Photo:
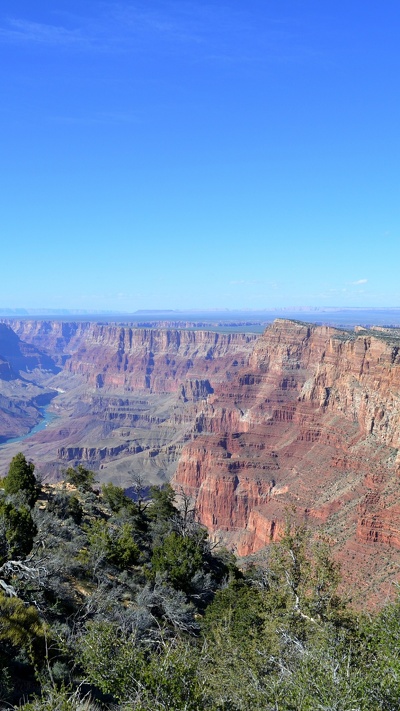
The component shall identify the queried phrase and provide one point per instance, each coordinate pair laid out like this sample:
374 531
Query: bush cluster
112 603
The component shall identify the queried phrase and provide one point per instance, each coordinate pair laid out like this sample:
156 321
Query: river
47 418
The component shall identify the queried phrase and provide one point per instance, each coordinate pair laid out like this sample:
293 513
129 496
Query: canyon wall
23 355
311 426
132 359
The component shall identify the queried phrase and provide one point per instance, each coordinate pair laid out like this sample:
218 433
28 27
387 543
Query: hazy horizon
201 311
234 320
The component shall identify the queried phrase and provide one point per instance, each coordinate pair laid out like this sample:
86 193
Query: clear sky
201 154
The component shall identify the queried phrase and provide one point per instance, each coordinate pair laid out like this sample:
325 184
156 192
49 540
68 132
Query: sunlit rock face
312 425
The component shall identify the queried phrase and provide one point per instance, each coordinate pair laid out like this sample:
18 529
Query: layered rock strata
127 395
135 359
311 424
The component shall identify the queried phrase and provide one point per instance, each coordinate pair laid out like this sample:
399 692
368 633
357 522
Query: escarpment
311 425
158 361
133 359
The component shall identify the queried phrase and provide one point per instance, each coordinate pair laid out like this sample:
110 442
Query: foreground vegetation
109 602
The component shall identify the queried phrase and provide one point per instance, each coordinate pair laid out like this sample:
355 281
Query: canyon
123 396
301 421
23 370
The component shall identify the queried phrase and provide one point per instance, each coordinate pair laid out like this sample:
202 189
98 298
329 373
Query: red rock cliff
312 422
135 359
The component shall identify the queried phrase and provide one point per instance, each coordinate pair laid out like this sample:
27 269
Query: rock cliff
132 359
22 356
313 424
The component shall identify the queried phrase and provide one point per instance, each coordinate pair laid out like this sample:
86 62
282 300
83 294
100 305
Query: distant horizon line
4 312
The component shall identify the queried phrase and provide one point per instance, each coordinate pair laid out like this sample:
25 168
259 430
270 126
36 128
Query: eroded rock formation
313 424
135 359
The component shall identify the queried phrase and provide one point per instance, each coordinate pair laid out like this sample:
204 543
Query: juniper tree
80 477
21 478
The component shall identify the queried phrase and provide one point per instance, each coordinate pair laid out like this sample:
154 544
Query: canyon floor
302 419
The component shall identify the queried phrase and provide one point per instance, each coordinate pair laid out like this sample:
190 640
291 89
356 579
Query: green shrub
17 531
66 506
179 557
21 478
80 477
115 497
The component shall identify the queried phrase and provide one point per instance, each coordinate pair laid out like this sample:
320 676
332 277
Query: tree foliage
66 505
107 600
19 624
180 558
17 531
80 477
115 497
21 479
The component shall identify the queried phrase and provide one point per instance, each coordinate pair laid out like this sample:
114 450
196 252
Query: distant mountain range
9 313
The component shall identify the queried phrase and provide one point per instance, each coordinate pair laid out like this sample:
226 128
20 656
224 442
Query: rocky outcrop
56 338
6 371
195 390
93 454
157 361
313 424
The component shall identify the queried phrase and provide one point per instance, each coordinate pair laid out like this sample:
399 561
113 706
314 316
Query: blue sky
199 154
